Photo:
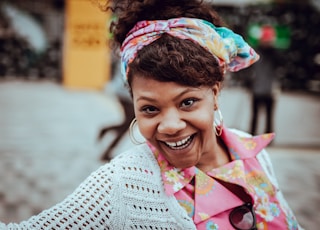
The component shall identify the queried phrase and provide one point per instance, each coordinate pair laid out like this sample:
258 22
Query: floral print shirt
209 203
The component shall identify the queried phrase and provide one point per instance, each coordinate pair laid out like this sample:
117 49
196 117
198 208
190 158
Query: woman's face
176 119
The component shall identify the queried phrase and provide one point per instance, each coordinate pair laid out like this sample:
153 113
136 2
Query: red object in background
268 34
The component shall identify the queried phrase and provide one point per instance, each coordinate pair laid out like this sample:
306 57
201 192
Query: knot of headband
228 47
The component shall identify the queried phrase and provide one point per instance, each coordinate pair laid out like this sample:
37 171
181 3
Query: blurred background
63 112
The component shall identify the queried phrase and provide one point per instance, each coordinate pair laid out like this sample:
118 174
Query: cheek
205 119
147 128
206 123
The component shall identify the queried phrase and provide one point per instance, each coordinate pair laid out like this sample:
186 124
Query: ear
216 91
216 88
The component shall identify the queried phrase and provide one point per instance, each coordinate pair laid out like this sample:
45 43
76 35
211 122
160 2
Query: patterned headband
229 48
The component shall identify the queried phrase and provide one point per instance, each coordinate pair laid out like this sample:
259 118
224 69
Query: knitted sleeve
93 205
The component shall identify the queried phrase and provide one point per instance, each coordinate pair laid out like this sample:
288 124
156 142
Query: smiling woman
192 172
176 123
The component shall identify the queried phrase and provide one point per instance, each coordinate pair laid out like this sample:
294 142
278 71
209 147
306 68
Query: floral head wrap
229 48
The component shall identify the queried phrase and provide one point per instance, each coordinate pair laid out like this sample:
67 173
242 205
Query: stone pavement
48 145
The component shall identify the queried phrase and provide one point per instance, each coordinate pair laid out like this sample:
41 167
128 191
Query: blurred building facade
18 59
298 68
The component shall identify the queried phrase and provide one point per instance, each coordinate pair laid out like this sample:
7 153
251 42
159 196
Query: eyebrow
175 98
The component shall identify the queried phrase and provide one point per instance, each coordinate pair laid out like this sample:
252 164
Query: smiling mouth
180 144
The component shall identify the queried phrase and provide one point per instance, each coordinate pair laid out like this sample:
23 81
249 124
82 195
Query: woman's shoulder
138 157
263 156
129 167
141 152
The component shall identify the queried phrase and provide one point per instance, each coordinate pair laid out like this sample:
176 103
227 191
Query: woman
192 172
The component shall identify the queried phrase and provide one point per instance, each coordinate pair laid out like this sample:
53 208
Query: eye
188 102
149 109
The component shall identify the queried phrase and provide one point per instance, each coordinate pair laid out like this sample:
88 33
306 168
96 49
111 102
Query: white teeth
179 143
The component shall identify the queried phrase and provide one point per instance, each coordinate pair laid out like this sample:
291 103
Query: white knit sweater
126 193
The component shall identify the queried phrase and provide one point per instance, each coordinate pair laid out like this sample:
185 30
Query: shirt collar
243 147
239 147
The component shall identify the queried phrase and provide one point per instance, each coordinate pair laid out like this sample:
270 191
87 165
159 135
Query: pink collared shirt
209 203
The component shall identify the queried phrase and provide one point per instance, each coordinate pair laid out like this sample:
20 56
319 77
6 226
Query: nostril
171 127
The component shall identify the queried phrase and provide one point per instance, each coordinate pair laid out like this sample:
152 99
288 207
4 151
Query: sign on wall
86 53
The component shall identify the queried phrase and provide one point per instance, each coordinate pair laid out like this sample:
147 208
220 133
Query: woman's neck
221 157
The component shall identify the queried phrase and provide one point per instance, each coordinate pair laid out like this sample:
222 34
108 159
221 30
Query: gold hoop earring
218 123
131 132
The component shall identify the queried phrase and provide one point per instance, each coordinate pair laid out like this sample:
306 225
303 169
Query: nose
171 122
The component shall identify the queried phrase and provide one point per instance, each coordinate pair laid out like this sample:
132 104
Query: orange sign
87 57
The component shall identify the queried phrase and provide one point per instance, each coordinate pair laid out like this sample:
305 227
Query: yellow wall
87 58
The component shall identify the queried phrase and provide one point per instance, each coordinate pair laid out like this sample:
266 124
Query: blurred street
48 144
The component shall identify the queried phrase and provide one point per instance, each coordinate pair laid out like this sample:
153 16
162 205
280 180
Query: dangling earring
218 123
131 132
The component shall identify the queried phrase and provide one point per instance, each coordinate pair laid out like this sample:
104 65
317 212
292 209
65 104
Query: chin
184 164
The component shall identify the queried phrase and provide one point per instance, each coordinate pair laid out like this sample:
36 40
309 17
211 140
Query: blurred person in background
190 171
117 87
264 83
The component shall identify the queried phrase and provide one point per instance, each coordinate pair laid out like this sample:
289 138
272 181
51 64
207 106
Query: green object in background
278 36
283 37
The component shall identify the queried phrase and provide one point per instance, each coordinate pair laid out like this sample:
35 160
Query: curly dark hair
168 58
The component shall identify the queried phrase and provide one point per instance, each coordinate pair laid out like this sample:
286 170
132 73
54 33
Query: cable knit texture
126 193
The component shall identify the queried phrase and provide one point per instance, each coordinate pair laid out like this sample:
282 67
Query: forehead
147 88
